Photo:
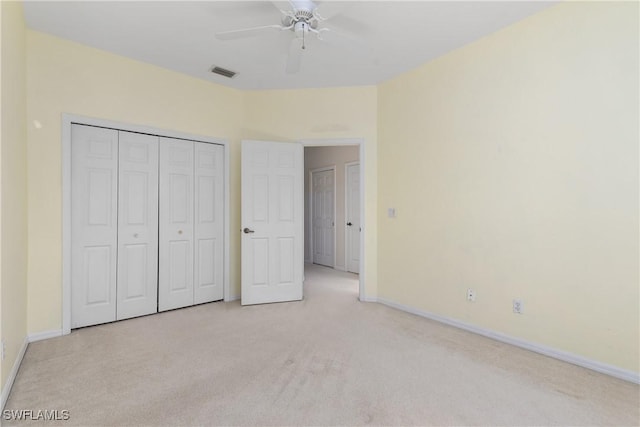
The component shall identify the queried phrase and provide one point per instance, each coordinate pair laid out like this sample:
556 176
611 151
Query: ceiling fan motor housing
298 18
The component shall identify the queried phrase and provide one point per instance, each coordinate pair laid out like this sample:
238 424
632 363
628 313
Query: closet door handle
248 230
179 231
349 224
135 235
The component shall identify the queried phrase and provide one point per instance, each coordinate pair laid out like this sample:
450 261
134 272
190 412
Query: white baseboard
6 389
233 298
372 299
603 368
39 336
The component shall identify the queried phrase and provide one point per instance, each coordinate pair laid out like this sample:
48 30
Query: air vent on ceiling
223 72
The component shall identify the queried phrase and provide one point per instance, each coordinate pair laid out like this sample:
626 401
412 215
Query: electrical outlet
517 306
471 295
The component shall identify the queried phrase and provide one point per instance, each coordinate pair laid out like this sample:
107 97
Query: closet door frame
70 119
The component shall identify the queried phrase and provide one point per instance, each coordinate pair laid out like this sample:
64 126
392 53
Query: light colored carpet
328 360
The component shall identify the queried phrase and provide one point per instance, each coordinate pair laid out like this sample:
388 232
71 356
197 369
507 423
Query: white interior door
94 187
175 273
272 222
323 216
137 285
353 217
209 227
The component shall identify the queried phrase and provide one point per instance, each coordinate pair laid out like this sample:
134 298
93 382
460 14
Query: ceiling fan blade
302 4
342 40
347 24
295 56
329 9
280 4
248 32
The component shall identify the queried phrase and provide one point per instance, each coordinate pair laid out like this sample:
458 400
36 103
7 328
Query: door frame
346 208
70 119
360 142
311 172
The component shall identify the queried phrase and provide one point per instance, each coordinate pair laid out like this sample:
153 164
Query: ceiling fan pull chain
303 31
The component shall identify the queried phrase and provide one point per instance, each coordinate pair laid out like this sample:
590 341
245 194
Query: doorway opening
334 208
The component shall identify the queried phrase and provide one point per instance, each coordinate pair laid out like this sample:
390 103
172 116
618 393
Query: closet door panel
176 224
208 223
94 186
137 225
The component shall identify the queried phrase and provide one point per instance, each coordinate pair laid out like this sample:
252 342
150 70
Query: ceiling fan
302 19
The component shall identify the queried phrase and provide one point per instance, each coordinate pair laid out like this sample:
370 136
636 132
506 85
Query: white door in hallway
272 222
94 224
175 273
137 284
323 216
353 217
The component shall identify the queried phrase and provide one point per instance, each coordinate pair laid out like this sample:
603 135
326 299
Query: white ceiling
372 41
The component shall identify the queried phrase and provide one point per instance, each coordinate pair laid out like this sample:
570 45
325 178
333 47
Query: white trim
6 389
537 348
346 209
362 159
67 120
66 223
311 172
227 224
45 335
233 298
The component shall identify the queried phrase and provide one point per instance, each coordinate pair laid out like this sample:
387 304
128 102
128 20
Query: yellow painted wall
513 165
65 77
13 184
351 112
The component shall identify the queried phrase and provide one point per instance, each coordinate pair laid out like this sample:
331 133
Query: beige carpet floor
328 360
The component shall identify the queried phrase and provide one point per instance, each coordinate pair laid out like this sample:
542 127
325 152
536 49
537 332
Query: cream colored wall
320 157
513 166
65 77
321 114
13 185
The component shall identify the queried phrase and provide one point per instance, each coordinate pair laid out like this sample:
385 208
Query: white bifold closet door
208 223
94 229
190 223
147 226
137 282
114 217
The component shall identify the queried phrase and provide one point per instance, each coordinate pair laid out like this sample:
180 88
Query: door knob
248 230
179 231
135 235
349 224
